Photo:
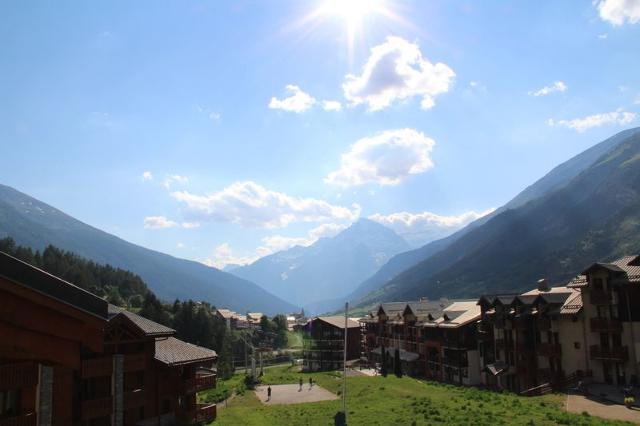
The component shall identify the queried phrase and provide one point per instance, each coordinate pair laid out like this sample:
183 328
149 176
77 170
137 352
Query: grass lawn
406 401
294 340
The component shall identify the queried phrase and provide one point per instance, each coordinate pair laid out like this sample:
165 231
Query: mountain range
36 224
586 209
319 275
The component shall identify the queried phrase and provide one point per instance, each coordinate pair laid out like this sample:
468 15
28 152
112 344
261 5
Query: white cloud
158 222
215 116
170 180
557 86
396 70
180 245
250 204
603 36
619 117
420 228
147 175
637 100
331 105
223 255
617 12
298 102
190 225
385 159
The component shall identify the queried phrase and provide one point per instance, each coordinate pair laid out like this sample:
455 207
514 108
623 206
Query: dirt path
600 408
291 394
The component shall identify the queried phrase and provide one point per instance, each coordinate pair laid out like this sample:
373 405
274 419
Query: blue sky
447 109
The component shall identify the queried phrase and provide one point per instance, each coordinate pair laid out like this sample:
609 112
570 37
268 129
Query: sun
352 11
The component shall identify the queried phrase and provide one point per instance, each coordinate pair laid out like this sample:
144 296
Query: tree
265 324
397 364
383 367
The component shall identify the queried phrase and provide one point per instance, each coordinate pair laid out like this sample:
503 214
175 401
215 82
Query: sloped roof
630 265
29 276
572 305
148 327
226 313
457 314
338 321
392 308
172 351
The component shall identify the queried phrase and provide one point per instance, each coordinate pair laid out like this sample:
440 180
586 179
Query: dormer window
598 284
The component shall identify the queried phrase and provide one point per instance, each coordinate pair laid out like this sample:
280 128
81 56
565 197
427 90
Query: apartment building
611 296
69 358
323 344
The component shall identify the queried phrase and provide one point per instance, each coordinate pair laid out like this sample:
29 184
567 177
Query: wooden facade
323 345
68 358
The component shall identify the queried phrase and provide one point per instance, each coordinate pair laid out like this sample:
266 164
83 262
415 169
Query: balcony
134 399
95 408
499 323
605 325
500 344
200 383
544 324
549 349
15 376
97 367
134 362
618 353
600 297
203 414
28 419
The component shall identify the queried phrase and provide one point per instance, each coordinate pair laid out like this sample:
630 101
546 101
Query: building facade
323 343
69 358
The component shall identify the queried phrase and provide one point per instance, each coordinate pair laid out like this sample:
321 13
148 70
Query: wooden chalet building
323 344
69 358
435 339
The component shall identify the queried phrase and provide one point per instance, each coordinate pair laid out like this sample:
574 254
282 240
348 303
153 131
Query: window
597 284
576 345
9 402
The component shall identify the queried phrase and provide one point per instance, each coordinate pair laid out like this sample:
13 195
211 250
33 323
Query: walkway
291 394
596 406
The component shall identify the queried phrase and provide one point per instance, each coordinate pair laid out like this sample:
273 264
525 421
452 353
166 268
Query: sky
225 131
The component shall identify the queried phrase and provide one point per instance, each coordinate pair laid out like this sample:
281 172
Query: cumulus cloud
557 86
158 222
170 180
619 117
223 256
617 12
252 205
420 228
298 102
147 175
385 159
190 225
396 70
331 105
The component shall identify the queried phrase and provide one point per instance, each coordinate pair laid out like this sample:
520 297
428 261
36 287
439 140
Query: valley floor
406 401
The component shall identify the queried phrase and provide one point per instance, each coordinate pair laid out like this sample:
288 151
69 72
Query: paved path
600 408
291 394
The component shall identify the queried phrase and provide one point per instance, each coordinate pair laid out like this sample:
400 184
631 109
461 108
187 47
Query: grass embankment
392 401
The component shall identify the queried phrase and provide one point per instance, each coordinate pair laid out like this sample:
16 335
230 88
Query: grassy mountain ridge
35 224
594 216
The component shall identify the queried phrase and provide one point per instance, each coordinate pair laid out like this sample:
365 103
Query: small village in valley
319 213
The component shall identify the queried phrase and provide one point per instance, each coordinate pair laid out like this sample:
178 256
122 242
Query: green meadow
392 401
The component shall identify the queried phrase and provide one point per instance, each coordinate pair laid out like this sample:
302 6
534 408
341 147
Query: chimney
543 285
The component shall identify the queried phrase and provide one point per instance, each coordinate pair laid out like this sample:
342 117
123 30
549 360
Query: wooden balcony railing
28 419
200 383
97 367
549 349
616 353
134 362
599 297
134 399
16 376
203 414
605 325
544 324
94 408
500 344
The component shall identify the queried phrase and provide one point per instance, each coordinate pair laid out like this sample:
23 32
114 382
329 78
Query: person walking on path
310 382
299 390
269 393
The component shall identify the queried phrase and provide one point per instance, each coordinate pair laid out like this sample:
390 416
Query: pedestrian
310 382
269 393
299 390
